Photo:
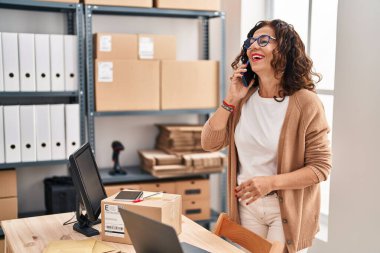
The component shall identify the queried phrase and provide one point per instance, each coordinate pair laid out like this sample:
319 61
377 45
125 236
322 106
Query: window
316 22
295 12
322 51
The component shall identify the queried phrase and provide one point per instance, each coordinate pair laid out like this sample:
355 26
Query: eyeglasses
262 41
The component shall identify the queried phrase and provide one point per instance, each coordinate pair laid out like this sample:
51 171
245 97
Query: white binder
42 45
1 66
27 62
57 69
43 141
12 133
10 62
71 62
2 143
57 125
28 133
72 128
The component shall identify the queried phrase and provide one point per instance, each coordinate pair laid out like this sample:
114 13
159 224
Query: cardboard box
8 183
113 189
165 208
115 46
127 85
155 158
157 47
193 189
196 209
8 208
167 171
128 3
205 160
189 84
168 187
202 5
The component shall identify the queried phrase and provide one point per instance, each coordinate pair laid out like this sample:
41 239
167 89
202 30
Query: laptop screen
150 236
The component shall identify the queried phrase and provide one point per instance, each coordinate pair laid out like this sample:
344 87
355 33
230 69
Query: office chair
229 229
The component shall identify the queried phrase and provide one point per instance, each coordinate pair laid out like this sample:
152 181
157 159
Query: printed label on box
105 43
105 72
146 48
113 223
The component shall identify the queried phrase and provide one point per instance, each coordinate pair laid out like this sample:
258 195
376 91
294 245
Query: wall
354 206
252 11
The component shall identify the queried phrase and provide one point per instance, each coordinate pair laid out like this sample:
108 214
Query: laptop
150 236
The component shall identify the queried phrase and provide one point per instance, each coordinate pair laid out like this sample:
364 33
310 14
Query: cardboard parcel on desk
163 207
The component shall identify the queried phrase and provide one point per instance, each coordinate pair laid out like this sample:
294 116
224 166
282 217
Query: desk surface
33 235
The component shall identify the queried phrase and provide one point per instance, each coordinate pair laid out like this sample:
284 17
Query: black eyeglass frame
247 43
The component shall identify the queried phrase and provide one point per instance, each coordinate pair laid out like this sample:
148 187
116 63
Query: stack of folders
31 133
38 62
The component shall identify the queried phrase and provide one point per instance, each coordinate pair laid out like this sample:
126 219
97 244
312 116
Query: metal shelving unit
203 16
163 112
30 164
74 15
5 94
136 174
38 6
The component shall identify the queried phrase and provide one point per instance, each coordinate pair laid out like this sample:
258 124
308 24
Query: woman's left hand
254 188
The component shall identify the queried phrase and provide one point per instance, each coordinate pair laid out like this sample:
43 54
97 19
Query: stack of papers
80 246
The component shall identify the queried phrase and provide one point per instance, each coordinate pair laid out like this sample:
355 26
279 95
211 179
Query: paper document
79 246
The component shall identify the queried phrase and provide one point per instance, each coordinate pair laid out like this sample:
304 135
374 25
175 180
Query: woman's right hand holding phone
237 90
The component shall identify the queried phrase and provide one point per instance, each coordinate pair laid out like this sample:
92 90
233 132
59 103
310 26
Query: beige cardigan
303 143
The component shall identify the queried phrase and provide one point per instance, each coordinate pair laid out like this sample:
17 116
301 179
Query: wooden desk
33 235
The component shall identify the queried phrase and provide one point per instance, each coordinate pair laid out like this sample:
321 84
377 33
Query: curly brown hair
290 62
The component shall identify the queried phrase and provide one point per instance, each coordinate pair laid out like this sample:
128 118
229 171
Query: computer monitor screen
87 180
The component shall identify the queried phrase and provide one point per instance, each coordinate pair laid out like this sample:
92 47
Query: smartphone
248 76
129 195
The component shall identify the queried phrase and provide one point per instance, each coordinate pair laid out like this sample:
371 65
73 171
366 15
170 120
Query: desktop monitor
89 188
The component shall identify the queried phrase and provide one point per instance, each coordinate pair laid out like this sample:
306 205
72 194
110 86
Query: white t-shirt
257 135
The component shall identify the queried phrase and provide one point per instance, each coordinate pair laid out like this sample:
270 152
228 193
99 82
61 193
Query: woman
276 131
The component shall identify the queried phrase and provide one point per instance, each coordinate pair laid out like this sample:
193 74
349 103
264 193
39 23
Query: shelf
136 174
163 112
153 12
39 94
37 6
27 164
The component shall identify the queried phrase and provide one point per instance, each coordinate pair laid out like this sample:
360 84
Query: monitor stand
83 225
